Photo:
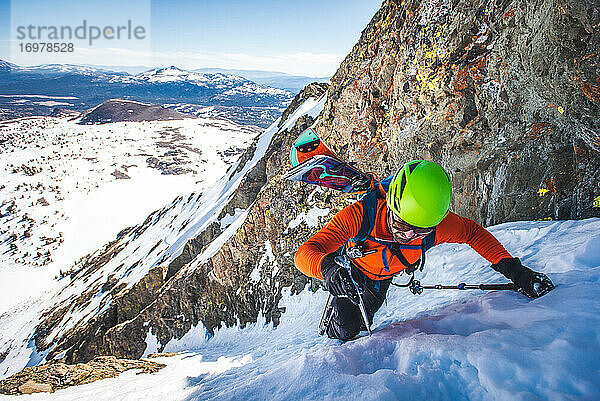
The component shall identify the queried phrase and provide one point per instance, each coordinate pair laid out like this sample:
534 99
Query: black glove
530 283
337 279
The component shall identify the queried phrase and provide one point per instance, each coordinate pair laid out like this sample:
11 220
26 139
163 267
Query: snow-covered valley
67 189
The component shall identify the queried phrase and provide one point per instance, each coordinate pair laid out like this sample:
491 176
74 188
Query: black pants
346 321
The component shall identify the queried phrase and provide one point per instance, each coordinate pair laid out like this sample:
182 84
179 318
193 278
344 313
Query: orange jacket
347 222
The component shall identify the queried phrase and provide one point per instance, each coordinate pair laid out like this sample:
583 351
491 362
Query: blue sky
307 37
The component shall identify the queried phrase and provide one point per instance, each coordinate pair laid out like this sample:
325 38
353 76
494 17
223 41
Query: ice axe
344 260
416 288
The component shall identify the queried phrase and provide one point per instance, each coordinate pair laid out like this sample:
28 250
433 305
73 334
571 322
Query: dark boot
346 320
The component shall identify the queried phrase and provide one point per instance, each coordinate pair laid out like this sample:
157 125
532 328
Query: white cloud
300 63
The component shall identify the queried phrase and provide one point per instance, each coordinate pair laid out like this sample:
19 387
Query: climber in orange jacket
413 217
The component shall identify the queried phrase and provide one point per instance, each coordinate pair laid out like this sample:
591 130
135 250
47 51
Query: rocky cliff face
505 94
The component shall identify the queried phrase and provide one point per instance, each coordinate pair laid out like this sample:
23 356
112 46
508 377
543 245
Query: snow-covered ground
441 345
67 189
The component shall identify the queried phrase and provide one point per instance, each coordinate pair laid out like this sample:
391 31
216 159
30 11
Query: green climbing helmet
420 193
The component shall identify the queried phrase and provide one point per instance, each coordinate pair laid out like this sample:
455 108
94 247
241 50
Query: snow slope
442 345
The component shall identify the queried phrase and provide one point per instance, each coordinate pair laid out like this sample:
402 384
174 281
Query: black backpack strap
369 202
429 241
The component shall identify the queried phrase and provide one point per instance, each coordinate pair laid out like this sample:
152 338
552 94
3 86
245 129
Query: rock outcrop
116 110
55 376
505 94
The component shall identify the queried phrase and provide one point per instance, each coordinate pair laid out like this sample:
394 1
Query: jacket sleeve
344 225
457 229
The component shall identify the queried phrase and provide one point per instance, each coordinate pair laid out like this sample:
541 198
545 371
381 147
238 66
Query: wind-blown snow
441 345
311 218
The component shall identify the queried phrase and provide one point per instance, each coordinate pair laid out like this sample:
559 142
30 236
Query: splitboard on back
314 163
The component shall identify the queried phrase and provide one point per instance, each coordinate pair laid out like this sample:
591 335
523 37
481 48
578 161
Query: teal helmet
307 142
420 193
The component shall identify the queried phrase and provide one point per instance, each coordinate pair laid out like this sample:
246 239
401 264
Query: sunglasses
399 225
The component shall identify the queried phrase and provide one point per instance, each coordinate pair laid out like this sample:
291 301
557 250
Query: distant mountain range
37 90
292 83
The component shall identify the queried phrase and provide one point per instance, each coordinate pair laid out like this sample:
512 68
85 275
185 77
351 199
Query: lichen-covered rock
85 341
55 376
505 94
30 387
